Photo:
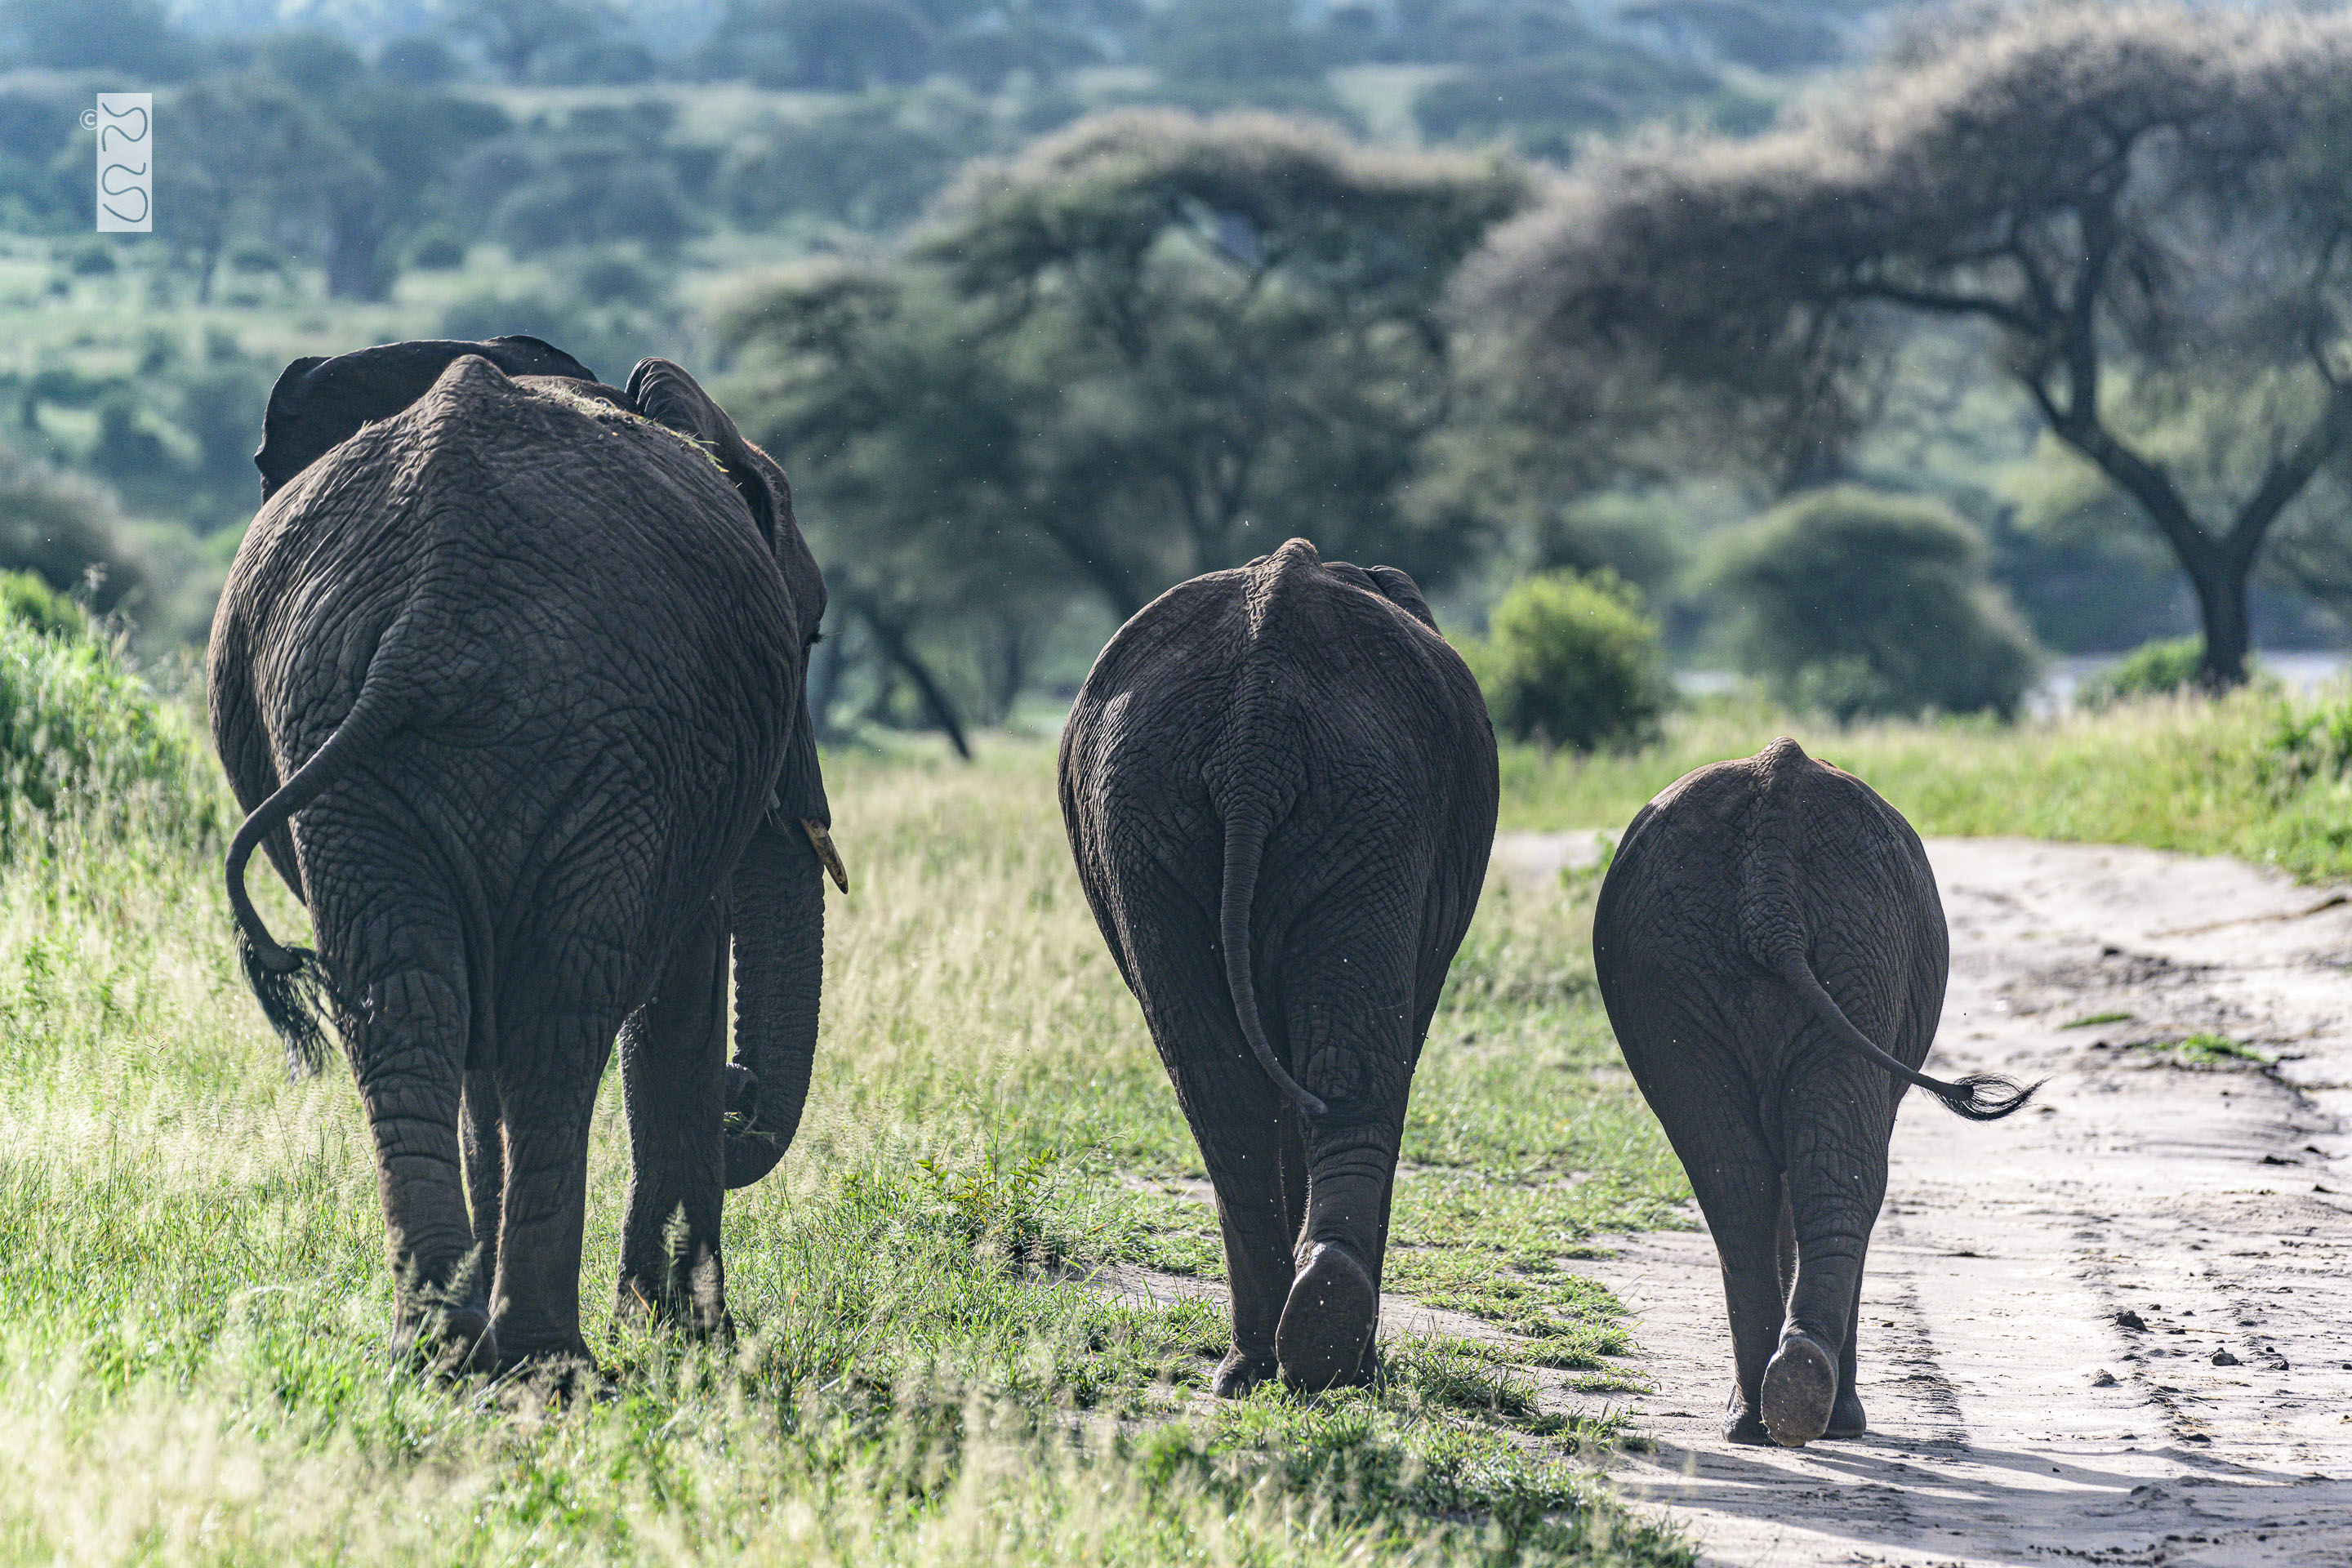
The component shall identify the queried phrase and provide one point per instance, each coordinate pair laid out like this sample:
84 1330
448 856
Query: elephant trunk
779 925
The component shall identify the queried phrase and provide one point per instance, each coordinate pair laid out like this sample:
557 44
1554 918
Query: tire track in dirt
2046 1296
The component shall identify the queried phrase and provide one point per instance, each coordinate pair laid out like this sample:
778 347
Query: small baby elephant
1767 922
1279 784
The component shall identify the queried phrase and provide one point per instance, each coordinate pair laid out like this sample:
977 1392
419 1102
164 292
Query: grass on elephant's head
194 1299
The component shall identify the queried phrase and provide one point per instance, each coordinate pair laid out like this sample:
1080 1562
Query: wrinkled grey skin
1767 925
1279 784
511 680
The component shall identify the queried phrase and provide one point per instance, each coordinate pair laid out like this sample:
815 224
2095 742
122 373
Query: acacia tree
2132 205
1150 346
251 157
1219 332
900 428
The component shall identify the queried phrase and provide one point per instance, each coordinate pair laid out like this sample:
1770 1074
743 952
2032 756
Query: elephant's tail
288 980
1246 832
1980 1095
1773 928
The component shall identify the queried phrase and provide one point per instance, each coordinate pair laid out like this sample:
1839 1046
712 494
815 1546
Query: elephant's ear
319 404
1402 591
664 393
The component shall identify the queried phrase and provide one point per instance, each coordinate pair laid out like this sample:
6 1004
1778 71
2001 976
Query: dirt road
2116 1329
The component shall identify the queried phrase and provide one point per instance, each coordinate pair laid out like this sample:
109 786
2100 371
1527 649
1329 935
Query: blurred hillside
807 202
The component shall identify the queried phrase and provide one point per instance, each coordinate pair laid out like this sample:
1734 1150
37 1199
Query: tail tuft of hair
295 1000
1985 1097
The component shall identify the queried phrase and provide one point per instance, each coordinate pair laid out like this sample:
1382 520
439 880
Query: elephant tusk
823 842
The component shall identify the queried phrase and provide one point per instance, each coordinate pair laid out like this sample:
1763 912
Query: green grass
2258 776
2097 1018
193 1301
2210 1051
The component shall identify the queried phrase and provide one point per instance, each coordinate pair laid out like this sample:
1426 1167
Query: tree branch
2286 479
892 638
1985 306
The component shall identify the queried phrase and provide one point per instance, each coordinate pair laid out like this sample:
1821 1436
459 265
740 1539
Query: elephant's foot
696 1304
556 1374
1846 1419
1326 1324
1800 1385
1742 1424
449 1341
1240 1371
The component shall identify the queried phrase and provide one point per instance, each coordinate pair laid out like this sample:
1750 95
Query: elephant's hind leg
392 935
1834 1198
1238 1117
1847 1418
408 1055
1738 1185
673 1066
550 1061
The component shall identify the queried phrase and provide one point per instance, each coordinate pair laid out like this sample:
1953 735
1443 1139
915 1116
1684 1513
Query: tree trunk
893 644
354 246
2216 566
209 259
1011 666
2220 589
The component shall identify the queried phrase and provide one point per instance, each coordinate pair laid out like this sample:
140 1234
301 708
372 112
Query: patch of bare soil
2115 1329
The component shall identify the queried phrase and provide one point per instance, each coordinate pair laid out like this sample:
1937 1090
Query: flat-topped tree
1150 346
1230 332
2142 208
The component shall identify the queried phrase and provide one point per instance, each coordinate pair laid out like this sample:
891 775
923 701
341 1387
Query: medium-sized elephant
1765 923
1280 787
509 674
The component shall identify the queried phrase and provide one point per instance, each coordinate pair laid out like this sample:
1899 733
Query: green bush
27 601
2150 669
1571 661
1858 604
83 740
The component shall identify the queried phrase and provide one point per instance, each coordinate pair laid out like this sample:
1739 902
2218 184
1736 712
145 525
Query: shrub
1571 661
2148 670
83 740
437 250
27 601
1858 604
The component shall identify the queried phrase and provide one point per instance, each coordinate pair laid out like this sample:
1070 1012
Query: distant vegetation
1050 303
2137 209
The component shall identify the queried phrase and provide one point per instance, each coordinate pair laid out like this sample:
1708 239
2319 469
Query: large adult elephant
508 672
1772 954
1280 787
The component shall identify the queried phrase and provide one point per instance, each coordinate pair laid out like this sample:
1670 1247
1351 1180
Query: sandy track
2014 1418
